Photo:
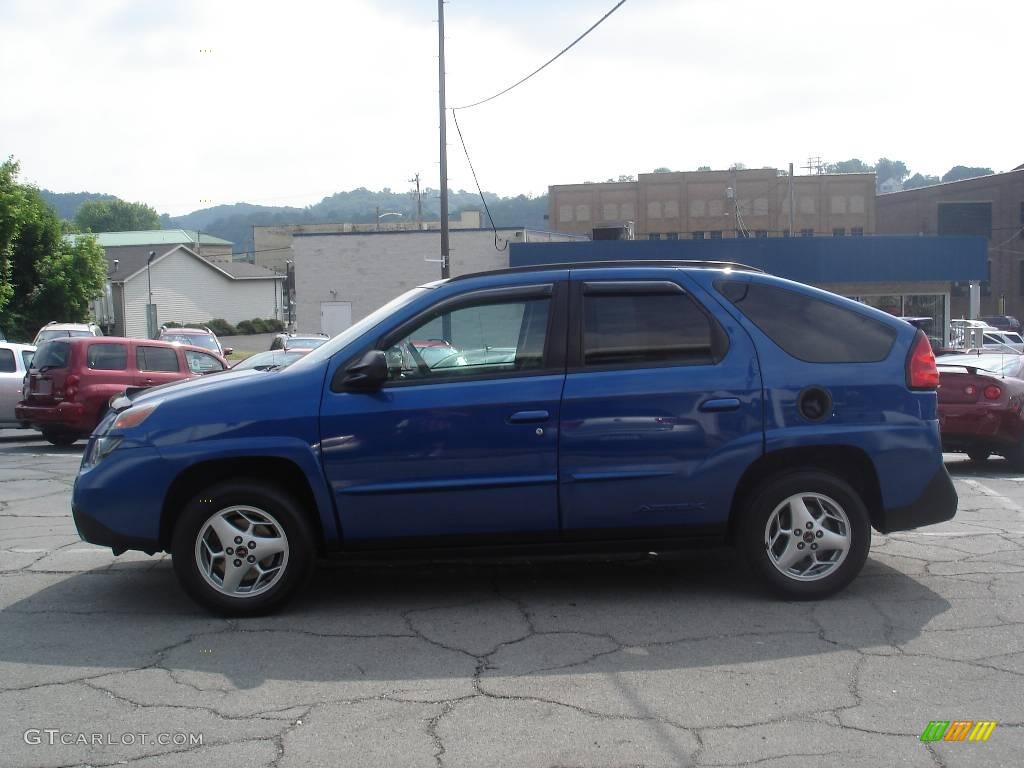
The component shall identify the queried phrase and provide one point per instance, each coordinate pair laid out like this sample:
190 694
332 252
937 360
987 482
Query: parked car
981 405
196 337
15 360
1002 341
71 380
298 341
264 361
1003 322
645 407
55 330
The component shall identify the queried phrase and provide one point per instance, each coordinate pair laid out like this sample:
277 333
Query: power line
476 181
594 26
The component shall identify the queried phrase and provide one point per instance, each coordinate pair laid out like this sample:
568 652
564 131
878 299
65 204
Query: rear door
11 379
157 365
662 408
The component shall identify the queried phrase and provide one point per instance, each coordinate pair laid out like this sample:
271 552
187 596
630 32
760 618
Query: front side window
26 356
200 362
810 328
107 357
647 329
7 363
485 339
156 359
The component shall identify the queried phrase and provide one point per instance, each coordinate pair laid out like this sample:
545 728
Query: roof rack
693 263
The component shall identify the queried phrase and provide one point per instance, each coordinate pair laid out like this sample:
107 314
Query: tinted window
647 329
473 340
159 359
7 362
27 356
52 354
200 362
809 328
204 340
107 357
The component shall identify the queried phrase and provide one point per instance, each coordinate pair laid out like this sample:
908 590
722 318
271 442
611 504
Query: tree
886 169
663 169
958 172
704 168
115 216
919 180
42 276
853 165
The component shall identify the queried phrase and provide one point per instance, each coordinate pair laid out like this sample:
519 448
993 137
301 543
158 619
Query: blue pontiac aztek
634 406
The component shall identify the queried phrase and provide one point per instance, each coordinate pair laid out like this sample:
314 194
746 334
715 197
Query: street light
289 289
382 215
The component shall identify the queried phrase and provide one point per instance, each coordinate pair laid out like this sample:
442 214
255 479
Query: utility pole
419 200
791 232
444 140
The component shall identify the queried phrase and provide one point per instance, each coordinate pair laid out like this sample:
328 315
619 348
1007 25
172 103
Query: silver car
15 360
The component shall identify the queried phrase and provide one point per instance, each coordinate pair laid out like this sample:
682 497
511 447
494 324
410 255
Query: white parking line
1004 501
26 551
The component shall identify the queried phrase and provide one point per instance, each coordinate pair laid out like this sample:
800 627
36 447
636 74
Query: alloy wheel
807 536
241 551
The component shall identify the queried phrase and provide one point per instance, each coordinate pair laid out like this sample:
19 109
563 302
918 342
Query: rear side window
642 329
107 357
200 362
808 328
7 362
157 359
52 354
27 356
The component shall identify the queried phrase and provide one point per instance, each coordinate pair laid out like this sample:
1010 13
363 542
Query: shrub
221 327
258 326
273 325
244 327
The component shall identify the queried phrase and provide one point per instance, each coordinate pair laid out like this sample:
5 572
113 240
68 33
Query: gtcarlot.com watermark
54 736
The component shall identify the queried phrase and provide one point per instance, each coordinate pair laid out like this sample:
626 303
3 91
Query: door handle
528 417
718 405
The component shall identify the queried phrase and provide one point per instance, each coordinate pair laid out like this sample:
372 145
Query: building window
965 219
697 208
838 231
654 209
762 233
857 231
986 284
806 204
742 233
696 235
671 209
565 213
838 204
716 234
806 233
654 236
671 235
857 204
582 213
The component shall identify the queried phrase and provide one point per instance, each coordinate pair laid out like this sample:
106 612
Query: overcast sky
300 99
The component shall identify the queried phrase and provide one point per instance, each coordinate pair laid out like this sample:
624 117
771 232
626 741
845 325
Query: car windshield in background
305 342
277 358
57 334
206 341
53 354
1004 365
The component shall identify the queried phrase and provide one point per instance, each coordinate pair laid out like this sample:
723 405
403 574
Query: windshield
274 359
353 332
59 334
305 342
204 340
1004 365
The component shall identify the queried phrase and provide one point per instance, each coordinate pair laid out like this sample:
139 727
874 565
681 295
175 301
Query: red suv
72 379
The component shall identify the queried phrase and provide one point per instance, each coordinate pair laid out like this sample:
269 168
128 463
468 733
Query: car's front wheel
60 439
807 533
242 548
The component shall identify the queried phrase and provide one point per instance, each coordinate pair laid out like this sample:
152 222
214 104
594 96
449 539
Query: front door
156 365
462 440
662 407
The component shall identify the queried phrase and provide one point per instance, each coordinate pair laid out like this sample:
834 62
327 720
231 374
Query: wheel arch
849 463
273 470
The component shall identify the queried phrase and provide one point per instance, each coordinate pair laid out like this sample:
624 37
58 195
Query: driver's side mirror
369 373
228 351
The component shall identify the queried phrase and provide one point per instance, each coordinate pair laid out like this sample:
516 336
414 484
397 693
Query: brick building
990 206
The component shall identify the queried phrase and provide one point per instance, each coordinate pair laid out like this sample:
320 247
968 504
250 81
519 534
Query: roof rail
693 264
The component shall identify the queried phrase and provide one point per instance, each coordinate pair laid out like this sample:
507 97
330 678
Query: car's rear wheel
61 439
242 548
806 533
977 454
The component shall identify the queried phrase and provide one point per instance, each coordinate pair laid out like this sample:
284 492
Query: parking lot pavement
663 661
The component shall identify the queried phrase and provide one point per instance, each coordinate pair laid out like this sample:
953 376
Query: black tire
267 498
60 439
1015 457
760 506
979 455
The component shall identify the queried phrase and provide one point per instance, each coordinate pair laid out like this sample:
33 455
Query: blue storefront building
904 275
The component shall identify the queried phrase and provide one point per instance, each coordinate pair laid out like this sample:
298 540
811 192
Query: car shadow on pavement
996 466
441 621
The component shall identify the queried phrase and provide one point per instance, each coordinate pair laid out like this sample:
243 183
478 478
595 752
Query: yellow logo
958 730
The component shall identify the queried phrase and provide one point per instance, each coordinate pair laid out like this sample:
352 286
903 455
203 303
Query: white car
55 330
1003 341
15 360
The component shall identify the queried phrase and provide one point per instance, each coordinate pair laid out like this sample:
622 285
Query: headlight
99 448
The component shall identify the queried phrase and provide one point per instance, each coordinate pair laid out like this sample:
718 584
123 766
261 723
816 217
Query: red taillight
70 387
921 370
992 392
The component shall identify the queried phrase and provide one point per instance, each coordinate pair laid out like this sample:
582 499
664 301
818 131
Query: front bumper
93 531
71 416
936 504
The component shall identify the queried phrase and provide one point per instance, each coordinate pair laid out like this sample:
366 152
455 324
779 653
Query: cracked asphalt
667 661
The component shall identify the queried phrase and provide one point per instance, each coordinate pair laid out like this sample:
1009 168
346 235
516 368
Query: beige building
718 204
340 277
272 244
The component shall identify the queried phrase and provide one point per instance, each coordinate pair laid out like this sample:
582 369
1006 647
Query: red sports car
981 405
